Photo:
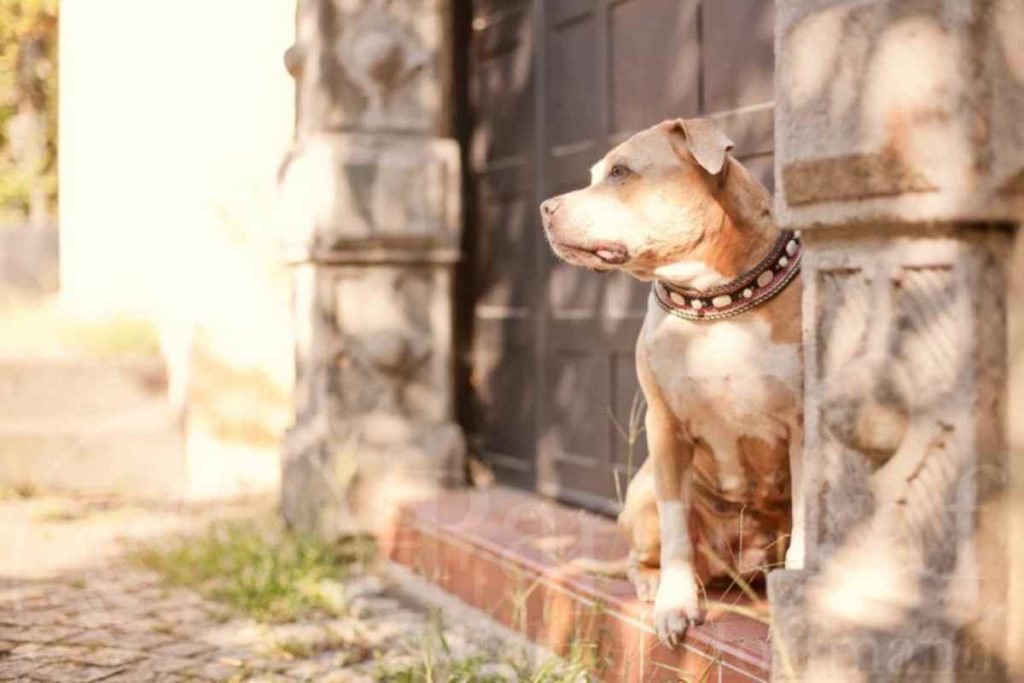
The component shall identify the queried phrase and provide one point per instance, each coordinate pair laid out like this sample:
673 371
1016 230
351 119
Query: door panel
555 84
572 73
739 53
502 100
655 61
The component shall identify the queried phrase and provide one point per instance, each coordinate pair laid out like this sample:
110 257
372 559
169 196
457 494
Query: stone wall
901 157
372 204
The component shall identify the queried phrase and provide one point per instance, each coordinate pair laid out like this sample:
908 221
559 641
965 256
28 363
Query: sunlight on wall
174 118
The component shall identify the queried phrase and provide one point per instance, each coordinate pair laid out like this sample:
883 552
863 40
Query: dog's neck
753 261
744 235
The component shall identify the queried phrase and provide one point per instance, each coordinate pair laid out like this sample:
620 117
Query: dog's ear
703 140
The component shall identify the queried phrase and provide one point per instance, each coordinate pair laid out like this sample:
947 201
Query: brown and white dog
718 358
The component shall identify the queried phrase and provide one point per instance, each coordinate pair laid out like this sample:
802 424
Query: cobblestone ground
110 621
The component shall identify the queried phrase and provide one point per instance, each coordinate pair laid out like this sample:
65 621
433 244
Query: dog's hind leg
644 578
615 569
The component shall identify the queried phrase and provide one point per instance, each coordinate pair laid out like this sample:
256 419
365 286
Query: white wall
174 118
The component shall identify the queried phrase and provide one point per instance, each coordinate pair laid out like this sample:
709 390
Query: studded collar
751 289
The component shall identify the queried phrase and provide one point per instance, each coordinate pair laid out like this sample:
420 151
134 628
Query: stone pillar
371 196
900 155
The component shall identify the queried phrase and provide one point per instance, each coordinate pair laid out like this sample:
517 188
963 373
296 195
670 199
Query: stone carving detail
920 484
367 65
372 209
380 56
1006 140
844 303
384 354
905 190
855 176
888 380
898 442
851 127
342 189
382 433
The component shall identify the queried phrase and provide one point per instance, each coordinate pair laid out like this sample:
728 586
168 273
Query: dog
638 522
719 358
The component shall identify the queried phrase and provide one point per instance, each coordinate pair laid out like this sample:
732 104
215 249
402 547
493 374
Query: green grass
631 434
276 576
267 574
435 667
435 662
343 648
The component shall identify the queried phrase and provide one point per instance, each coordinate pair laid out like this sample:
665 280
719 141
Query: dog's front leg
676 603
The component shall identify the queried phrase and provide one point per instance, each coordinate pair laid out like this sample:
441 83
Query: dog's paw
676 607
645 582
672 623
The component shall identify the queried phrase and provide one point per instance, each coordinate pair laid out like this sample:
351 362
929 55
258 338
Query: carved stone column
900 156
371 200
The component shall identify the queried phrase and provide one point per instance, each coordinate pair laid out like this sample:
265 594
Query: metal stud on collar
761 283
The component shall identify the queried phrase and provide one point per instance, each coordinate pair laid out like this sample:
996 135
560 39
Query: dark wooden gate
552 85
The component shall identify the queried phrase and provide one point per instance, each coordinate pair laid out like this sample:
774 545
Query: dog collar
756 286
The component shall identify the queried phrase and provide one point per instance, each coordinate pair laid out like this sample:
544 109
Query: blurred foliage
40 326
28 107
114 336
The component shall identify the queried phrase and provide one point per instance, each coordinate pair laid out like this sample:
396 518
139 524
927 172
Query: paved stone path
110 621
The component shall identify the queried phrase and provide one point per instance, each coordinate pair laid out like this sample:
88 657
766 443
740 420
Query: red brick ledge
509 554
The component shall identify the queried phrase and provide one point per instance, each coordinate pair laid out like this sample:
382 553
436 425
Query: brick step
510 553
79 388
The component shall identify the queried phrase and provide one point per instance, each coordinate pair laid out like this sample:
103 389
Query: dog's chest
727 382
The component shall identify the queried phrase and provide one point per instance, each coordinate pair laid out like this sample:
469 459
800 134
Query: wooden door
553 84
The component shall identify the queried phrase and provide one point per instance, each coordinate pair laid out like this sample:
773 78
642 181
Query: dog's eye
618 171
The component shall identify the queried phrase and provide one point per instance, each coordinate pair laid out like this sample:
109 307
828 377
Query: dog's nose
548 208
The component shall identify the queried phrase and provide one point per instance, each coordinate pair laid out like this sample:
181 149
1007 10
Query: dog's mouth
599 256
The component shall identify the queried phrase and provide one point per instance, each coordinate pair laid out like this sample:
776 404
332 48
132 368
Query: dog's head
650 202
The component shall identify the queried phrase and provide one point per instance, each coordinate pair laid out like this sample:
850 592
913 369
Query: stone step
139 454
33 388
88 425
